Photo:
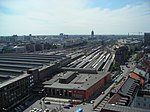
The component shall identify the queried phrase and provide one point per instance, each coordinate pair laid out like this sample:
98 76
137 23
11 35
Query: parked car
103 92
70 105
66 107
79 110
92 101
47 102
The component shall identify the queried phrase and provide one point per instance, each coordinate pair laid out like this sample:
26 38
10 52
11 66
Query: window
5 88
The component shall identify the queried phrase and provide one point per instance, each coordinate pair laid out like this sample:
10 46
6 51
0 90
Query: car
35 109
40 110
103 92
47 102
79 110
20 106
66 107
83 103
70 105
19 109
92 101
46 110
16 110
31 111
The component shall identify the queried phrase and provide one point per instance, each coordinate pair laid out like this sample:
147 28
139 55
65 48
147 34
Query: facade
146 39
15 90
146 60
147 49
19 49
121 54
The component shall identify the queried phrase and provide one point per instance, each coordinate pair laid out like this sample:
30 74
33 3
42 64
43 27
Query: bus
79 110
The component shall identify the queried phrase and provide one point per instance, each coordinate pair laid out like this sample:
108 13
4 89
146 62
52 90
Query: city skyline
25 17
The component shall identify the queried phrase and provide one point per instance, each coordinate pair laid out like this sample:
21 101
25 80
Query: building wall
78 94
94 88
121 54
98 87
147 39
53 69
134 46
14 92
142 102
47 72
147 62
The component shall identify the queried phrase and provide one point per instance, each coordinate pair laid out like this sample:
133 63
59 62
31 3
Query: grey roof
67 75
140 72
64 86
119 108
81 78
129 87
94 78
13 79
16 65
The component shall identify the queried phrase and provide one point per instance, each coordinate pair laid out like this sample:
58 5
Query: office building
19 73
92 33
121 54
146 39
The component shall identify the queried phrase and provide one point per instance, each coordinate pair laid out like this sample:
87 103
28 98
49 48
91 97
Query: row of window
12 85
143 105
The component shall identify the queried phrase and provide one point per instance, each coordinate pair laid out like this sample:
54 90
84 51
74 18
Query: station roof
16 65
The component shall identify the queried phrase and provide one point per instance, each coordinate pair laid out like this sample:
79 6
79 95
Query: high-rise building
146 39
92 33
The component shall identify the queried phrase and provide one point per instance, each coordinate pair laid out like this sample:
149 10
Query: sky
23 17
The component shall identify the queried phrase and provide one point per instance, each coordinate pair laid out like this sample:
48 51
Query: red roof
137 77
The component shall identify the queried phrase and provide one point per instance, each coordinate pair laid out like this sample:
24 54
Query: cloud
71 17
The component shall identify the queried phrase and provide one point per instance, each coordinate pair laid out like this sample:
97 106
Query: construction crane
138 33
134 33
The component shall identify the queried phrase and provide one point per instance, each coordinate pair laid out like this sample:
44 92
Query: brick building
80 86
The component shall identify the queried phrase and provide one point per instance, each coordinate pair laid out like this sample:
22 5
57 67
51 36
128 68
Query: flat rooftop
81 82
14 65
140 72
